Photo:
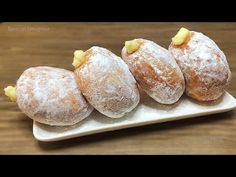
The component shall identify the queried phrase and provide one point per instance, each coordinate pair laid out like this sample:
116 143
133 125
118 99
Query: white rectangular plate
147 112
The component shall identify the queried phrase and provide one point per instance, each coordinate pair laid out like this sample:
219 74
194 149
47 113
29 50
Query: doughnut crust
204 66
156 71
106 82
51 96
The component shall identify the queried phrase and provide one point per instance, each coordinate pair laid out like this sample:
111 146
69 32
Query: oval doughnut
106 82
51 96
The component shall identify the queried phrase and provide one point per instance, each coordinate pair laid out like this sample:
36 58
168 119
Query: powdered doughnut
51 96
203 64
106 82
155 70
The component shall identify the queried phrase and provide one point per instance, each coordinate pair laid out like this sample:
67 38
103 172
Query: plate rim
231 106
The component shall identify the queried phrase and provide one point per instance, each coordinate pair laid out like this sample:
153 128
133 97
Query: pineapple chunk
181 36
10 92
79 58
132 46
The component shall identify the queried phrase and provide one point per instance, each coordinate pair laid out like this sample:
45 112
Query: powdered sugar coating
204 66
156 71
51 96
107 84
